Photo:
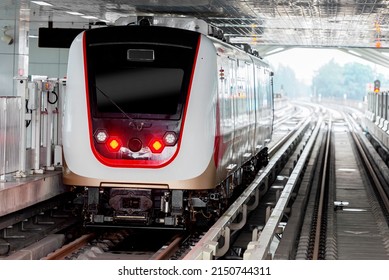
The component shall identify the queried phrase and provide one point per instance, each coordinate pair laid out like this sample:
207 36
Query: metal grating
310 23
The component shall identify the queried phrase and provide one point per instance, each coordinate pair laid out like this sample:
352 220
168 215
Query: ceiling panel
309 23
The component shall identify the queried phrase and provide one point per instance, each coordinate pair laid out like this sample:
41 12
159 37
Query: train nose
135 145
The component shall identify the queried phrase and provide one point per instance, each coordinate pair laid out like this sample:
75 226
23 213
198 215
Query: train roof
187 23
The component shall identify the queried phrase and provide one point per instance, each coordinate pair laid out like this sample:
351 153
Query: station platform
19 193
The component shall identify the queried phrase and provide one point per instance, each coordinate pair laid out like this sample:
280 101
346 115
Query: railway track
23 229
291 210
32 229
216 243
307 203
341 218
94 245
112 246
179 247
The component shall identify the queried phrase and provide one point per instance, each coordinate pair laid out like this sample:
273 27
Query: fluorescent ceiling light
41 3
89 17
75 13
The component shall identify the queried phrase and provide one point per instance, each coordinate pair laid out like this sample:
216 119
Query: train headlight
101 136
170 138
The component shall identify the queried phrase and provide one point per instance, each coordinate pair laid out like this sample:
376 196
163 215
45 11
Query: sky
306 61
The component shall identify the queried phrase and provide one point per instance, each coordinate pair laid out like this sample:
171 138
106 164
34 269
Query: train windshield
143 90
139 79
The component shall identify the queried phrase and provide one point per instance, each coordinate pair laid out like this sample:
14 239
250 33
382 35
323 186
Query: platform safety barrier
30 127
10 114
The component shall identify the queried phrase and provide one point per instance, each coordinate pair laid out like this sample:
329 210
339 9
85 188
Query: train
161 125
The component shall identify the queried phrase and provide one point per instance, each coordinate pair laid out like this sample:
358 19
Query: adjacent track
324 190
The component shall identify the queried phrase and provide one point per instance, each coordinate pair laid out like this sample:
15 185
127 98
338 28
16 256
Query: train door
225 129
242 113
234 93
270 104
259 92
250 89
266 104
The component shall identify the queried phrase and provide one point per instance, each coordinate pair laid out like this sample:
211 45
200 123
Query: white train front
162 124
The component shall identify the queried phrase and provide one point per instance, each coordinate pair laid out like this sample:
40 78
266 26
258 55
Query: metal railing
30 128
10 114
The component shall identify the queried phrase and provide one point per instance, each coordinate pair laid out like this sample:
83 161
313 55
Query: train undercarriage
179 209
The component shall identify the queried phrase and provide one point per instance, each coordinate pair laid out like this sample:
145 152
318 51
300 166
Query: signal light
114 144
156 146
221 74
377 85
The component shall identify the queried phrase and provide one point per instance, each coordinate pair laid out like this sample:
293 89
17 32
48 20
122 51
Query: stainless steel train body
161 124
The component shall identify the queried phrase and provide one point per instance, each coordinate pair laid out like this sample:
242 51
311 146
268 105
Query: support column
22 60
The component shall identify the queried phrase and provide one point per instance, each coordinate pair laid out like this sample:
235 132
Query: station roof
359 27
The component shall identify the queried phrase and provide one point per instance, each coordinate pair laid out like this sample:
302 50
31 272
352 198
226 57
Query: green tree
356 76
328 81
285 81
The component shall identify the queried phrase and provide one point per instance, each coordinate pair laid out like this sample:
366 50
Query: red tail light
114 144
156 146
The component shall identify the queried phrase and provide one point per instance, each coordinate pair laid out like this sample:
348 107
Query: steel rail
283 140
322 193
208 245
67 249
369 166
169 250
259 250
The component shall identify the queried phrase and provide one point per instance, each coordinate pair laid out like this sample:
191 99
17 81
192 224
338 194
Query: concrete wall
47 61
8 67
41 61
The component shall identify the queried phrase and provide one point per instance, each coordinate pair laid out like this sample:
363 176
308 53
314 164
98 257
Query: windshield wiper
138 125
114 103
